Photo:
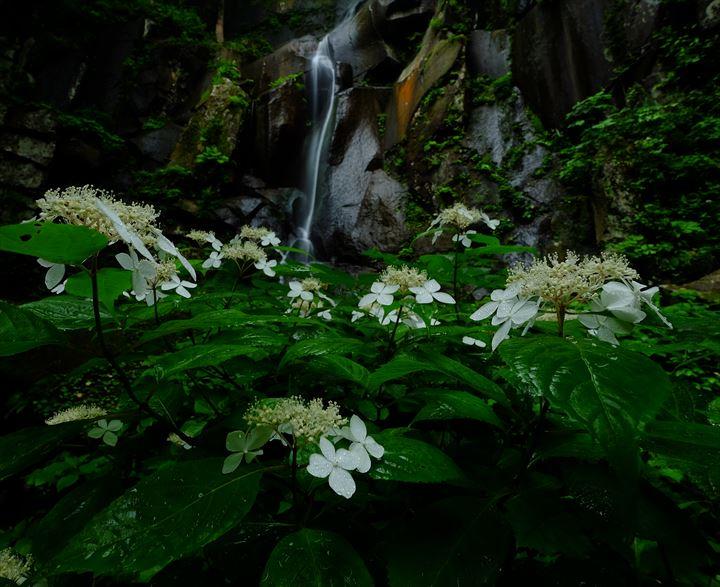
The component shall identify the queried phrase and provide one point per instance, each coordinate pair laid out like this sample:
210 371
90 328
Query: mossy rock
215 123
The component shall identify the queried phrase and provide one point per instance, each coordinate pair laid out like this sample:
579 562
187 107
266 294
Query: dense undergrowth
236 418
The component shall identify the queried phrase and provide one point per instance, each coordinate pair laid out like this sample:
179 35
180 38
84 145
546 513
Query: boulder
280 125
559 56
366 206
488 53
215 123
292 58
159 144
36 150
21 174
434 59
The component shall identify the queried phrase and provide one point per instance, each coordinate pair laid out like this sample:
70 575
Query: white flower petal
484 311
357 429
319 466
374 448
342 483
501 334
327 449
361 456
345 459
443 297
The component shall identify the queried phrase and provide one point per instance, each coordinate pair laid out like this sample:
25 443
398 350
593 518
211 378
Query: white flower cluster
133 224
413 285
308 298
305 421
245 247
606 283
459 217
14 567
335 464
81 412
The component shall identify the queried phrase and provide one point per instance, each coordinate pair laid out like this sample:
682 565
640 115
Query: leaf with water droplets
173 513
315 557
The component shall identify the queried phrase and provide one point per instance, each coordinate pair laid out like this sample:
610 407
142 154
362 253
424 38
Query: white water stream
321 95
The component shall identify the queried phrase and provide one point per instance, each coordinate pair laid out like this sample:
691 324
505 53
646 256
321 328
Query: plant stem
293 473
119 371
391 342
561 321
455 276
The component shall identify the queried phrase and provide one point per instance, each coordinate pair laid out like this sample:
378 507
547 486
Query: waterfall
321 96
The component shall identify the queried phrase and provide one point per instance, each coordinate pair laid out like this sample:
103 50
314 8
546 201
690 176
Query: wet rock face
363 206
558 56
488 53
27 147
292 58
280 125
215 123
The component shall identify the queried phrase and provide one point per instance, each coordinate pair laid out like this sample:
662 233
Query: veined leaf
24 448
450 405
314 558
414 461
206 321
342 368
58 243
203 355
66 312
174 512
610 391
112 283
457 541
21 330
321 346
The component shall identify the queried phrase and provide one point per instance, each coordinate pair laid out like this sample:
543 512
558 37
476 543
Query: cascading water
321 80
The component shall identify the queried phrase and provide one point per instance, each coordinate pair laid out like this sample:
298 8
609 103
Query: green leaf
413 461
398 367
230 319
403 365
541 521
66 312
692 448
318 347
24 448
315 558
460 372
173 513
69 515
57 243
201 355
342 368
111 284
21 330
457 541
450 405
610 391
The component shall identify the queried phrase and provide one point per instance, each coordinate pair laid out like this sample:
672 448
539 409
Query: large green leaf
690 447
315 558
173 513
21 330
397 368
543 522
24 448
208 320
610 391
66 312
202 355
414 461
450 405
341 368
460 372
112 283
403 365
318 347
58 243
458 541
